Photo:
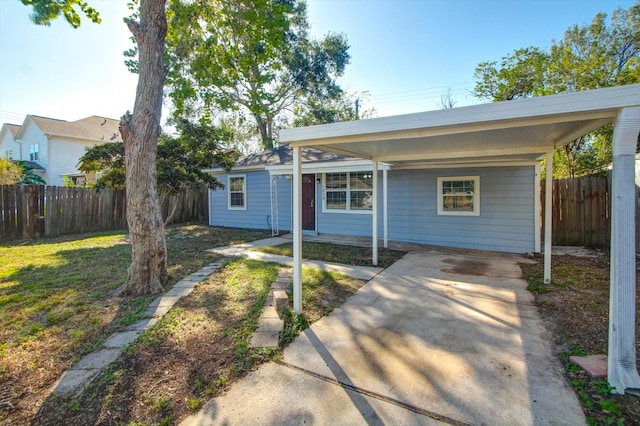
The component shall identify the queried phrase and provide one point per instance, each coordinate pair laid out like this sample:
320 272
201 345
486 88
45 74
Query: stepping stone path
270 324
74 380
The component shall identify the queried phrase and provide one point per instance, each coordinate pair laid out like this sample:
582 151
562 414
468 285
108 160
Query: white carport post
385 208
622 369
297 231
374 214
548 225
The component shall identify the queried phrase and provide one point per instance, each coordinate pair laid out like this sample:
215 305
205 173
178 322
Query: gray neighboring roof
34 165
95 128
284 155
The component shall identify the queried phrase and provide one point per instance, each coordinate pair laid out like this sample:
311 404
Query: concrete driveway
440 337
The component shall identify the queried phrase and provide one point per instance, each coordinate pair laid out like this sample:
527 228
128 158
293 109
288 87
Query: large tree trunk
140 132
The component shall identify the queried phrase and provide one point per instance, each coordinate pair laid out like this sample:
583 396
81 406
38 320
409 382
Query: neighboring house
491 208
55 146
9 148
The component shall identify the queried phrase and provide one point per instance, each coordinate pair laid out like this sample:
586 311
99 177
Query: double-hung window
348 191
459 196
237 185
33 152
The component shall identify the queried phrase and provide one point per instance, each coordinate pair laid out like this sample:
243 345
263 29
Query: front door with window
309 202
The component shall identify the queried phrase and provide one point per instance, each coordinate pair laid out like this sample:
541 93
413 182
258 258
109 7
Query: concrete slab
74 381
269 312
264 339
164 301
156 312
595 365
184 283
180 291
122 339
451 334
270 325
143 324
97 360
282 396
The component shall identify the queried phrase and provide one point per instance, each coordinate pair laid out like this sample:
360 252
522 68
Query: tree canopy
179 162
10 173
603 53
251 58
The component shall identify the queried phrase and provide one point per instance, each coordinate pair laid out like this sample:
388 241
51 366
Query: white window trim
244 192
348 209
476 196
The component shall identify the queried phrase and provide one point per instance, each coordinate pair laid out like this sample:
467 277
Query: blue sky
405 53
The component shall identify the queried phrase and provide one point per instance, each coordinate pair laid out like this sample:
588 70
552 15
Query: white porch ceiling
504 132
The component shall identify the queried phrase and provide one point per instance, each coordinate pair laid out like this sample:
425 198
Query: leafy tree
179 162
29 177
253 57
10 173
312 111
595 55
140 131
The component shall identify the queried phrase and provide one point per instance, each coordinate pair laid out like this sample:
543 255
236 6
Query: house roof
34 165
283 155
94 128
13 128
519 131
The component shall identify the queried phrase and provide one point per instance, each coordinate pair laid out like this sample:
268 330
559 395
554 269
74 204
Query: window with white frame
459 196
33 152
237 185
348 191
9 154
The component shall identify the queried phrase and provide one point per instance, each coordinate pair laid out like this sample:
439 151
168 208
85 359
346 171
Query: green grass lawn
57 299
348 255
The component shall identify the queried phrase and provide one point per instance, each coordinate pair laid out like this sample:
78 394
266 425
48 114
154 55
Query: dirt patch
575 309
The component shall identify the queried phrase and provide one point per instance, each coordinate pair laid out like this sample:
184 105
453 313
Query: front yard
59 301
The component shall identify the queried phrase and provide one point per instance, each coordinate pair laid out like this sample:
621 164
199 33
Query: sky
405 54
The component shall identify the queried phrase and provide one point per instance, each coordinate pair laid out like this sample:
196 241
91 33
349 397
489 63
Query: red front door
309 202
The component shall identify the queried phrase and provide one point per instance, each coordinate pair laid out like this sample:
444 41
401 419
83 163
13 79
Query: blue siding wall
258 204
258 212
506 221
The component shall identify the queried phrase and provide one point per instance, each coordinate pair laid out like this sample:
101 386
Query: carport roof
497 133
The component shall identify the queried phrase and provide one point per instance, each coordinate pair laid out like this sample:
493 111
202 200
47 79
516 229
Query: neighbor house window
348 191
237 185
459 195
9 154
33 152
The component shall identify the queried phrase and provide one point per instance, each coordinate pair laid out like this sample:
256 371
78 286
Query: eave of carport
504 133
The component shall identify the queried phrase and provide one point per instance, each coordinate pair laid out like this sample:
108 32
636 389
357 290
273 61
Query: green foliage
179 160
29 177
312 110
46 11
10 173
603 53
294 324
253 58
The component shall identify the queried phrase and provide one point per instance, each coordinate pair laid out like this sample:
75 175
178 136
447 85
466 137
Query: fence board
33 211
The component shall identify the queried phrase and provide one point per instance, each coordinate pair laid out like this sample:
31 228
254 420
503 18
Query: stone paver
122 339
74 380
98 359
595 365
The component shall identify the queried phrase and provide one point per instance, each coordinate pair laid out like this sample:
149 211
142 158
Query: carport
504 133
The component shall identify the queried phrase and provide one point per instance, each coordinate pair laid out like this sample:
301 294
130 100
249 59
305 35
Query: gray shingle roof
284 155
95 128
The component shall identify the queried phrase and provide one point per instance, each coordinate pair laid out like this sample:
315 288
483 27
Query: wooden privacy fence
35 211
580 211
